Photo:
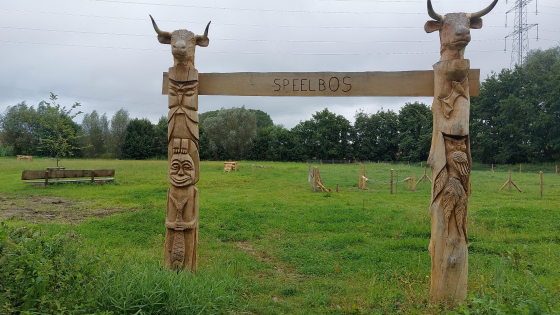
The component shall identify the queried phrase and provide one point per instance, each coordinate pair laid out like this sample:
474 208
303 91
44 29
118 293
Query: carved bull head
183 43
454 30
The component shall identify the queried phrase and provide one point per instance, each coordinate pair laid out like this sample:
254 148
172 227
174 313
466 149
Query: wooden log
391 181
377 83
540 178
450 163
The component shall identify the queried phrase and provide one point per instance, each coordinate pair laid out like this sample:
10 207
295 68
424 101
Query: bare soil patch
41 209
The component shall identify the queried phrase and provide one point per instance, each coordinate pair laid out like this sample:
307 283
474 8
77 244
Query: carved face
182 170
180 94
183 44
453 145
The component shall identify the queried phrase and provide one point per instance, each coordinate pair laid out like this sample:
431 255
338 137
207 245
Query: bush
41 274
6 150
148 289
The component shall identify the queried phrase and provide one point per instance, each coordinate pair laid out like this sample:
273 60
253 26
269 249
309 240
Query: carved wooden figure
450 154
181 236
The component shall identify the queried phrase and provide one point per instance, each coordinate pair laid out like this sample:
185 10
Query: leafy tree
230 133
376 136
325 136
275 143
20 127
161 143
139 143
263 119
415 131
516 118
96 133
119 124
59 131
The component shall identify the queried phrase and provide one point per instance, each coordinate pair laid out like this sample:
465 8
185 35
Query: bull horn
433 13
482 13
158 31
205 36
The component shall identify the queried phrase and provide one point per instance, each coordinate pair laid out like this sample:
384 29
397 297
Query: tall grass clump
42 274
146 288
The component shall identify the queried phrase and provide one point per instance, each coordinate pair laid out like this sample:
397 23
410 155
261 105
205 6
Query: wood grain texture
325 84
52 174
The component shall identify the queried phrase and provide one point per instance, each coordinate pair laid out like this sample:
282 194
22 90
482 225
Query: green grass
270 245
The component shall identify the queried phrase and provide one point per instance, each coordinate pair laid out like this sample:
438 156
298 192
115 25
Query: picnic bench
25 157
228 166
59 176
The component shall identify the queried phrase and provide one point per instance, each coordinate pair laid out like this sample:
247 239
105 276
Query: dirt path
41 209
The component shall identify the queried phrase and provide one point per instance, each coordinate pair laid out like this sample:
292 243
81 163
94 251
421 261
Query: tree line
516 119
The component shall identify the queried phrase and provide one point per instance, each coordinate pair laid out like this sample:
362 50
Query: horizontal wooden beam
27 175
402 83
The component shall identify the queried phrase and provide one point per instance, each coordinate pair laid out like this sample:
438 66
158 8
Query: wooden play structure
451 83
228 166
51 176
511 182
316 181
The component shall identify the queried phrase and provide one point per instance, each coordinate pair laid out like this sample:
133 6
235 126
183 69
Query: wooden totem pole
181 222
450 154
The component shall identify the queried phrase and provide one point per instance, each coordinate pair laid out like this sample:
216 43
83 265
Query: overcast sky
105 55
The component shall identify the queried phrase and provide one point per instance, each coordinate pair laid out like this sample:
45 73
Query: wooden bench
54 176
228 166
25 157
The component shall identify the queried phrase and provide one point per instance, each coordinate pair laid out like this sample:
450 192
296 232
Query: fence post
540 176
413 181
337 187
510 180
492 168
391 181
360 180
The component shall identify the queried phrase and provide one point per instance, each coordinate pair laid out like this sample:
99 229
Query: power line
240 53
242 39
144 20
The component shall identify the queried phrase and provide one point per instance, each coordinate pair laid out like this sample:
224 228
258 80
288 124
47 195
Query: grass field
270 245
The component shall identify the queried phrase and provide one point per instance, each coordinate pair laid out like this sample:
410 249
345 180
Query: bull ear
201 41
432 26
164 38
476 23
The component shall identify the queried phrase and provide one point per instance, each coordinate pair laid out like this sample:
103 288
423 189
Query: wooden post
315 179
181 221
46 178
364 171
337 187
360 180
92 177
397 184
391 181
492 168
540 176
413 181
510 180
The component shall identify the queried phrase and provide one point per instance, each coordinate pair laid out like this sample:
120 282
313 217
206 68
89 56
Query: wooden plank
400 83
97 180
103 173
28 175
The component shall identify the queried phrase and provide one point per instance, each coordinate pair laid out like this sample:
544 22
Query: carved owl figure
457 189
